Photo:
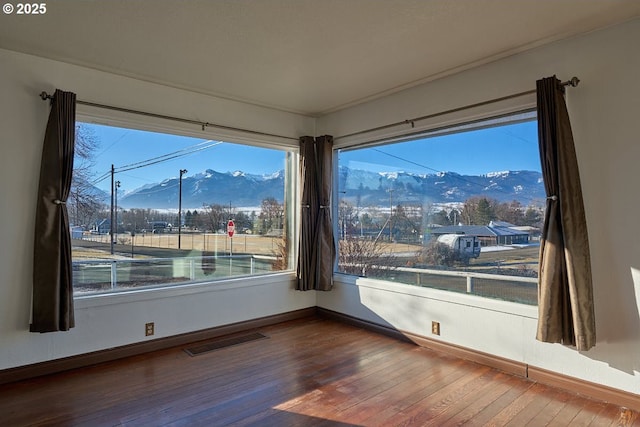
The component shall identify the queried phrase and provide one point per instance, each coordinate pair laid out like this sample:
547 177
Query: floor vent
223 343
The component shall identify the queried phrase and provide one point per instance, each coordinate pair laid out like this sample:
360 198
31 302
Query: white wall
111 321
605 115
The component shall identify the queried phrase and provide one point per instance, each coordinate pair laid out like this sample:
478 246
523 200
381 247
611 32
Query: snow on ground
505 247
496 248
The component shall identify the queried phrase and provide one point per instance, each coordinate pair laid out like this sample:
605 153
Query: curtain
52 286
565 292
316 250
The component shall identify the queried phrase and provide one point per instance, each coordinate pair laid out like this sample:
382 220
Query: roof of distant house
495 228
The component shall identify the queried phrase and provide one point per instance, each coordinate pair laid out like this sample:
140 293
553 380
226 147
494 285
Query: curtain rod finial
574 81
44 95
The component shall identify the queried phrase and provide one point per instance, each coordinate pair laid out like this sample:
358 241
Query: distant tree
485 211
478 210
467 214
242 221
510 212
253 217
135 219
407 222
365 257
440 218
438 254
533 217
346 218
214 217
455 217
84 201
196 220
366 220
377 218
271 215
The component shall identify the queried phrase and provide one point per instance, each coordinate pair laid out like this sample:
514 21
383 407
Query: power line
187 150
101 178
406 160
138 177
159 159
112 144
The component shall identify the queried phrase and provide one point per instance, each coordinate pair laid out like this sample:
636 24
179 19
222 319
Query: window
150 209
458 209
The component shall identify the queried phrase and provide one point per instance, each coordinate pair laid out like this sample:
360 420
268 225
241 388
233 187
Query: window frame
440 124
96 115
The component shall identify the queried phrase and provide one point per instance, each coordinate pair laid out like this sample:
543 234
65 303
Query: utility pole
111 220
390 215
117 185
182 172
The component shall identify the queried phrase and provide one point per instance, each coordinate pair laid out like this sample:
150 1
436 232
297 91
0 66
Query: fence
505 287
212 242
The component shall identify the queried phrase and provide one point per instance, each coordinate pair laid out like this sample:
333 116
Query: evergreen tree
441 218
485 212
478 210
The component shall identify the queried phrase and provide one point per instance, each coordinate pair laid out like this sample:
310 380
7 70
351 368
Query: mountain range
357 186
209 187
371 188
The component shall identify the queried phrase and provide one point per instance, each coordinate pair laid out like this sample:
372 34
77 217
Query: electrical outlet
149 329
435 328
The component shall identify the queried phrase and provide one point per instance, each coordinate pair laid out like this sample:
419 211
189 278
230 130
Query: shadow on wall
618 322
342 297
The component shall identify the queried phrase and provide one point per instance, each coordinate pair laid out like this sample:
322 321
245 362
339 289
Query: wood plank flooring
311 372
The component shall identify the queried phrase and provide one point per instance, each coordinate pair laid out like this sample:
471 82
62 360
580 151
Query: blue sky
511 147
122 147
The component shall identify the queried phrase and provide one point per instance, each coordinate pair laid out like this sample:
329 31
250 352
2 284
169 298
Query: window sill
468 300
170 291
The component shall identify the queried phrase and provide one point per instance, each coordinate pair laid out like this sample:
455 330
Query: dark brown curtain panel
565 292
316 250
52 286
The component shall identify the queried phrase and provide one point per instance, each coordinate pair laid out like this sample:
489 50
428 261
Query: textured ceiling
304 56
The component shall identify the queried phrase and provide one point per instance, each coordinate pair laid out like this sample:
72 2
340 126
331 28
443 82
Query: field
166 245
160 244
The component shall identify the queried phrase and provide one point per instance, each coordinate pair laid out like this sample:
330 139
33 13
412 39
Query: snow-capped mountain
505 186
208 187
371 188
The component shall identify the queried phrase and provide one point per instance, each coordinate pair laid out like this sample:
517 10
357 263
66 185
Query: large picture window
150 209
458 209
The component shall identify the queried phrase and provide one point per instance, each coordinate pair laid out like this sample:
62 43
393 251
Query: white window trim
171 291
101 116
459 118
495 109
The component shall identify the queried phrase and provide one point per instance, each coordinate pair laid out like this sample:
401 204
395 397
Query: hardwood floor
312 372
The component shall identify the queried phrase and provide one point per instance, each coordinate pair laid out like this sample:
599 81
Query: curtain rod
573 82
44 95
